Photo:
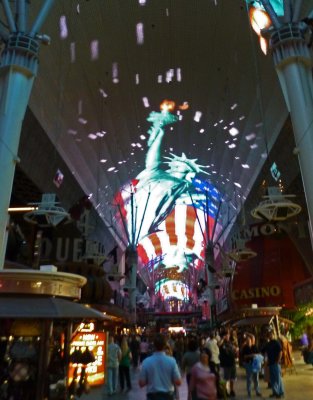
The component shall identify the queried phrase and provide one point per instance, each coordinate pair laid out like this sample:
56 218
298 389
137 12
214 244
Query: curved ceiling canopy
112 63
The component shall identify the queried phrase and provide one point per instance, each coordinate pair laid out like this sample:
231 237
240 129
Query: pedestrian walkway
298 386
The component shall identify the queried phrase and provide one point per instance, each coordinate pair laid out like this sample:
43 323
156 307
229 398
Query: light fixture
276 207
214 284
226 271
260 20
114 274
21 209
240 252
46 213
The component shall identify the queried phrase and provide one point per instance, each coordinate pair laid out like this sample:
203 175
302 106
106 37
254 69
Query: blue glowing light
278 5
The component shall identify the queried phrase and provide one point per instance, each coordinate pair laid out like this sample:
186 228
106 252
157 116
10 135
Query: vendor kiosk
38 317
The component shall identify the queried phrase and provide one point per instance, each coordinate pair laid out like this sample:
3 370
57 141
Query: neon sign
95 342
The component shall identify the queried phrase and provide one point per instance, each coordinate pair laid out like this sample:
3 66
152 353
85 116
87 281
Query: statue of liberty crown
176 163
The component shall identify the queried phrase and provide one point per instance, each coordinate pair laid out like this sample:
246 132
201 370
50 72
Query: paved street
298 386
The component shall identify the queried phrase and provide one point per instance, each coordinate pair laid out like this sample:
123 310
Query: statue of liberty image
156 190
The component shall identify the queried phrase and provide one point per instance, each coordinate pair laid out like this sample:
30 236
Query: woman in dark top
273 351
228 355
124 367
190 358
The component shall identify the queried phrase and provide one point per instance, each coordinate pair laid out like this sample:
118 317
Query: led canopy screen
167 211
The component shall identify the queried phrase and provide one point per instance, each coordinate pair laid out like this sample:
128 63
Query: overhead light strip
21 209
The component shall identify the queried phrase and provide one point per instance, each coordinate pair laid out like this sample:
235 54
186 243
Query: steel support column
132 257
209 265
18 68
293 63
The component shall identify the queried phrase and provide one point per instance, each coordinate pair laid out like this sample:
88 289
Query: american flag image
182 229
180 239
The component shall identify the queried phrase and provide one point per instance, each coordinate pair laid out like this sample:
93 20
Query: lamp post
18 68
293 64
132 257
209 265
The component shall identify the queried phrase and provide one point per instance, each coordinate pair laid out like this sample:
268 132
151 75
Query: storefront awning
253 321
265 320
117 314
46 308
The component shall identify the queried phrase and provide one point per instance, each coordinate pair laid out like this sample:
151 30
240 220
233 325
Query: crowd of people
209 363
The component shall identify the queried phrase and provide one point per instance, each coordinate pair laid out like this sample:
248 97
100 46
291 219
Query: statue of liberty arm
159 121
165 186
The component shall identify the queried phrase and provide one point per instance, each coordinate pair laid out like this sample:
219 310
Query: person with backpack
252 362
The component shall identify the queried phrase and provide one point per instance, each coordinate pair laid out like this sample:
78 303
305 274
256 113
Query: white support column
293 63
18 68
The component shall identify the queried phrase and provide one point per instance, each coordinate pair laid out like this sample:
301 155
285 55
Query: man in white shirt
113 360
159 373
211 345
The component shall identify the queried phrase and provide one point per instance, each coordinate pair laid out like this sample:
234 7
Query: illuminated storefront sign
256 293
95 342
176 329
298 229
86 327
267 280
